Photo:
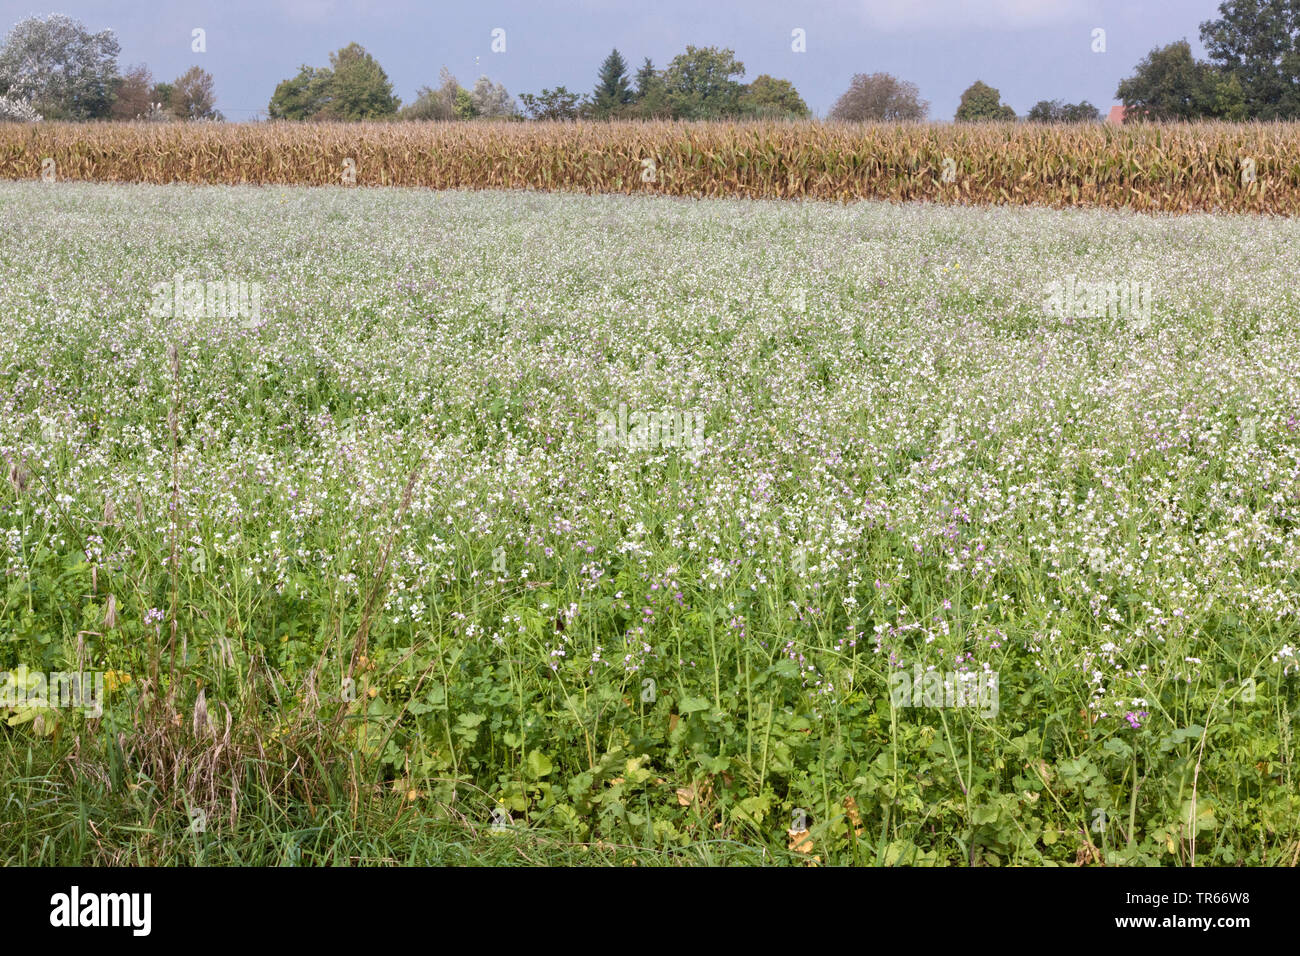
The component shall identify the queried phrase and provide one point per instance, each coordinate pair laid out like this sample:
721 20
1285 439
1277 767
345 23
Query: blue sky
1029 49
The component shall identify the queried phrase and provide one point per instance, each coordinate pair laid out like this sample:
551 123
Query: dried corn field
1172 168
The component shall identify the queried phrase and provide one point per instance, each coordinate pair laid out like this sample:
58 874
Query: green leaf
715 764
786 668
538 764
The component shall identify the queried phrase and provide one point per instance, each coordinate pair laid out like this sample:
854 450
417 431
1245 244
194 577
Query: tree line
702 83
54 68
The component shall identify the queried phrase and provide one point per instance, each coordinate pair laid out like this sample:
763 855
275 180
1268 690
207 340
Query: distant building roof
1117 114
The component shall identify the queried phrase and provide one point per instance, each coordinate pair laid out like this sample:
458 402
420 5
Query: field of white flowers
851 533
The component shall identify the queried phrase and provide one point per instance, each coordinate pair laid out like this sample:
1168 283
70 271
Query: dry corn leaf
800 841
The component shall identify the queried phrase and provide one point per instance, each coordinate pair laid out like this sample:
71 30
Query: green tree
1222 96
1170 84
162 95
353 87
770 98
650 100
613 94
1255 46
1081 112
1044 111
1055 111
464 107
699 83
59 67
302 97
358 87
556 104
645 76
982 103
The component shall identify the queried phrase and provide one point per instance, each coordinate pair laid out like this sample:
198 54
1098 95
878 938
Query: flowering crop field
696 530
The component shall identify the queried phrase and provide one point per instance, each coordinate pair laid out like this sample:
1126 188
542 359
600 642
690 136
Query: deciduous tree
879 98
556 104
353 87
133 94
192 96
301 97
700 83
59 67
1056 111
982 103
770 98
1256 45
1170 84
358 87
491 101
